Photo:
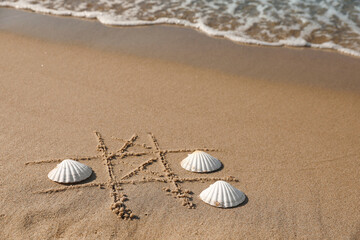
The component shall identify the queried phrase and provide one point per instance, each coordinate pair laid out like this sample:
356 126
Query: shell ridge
59 174
232 193
205 193
240 196
194 163
222 196
83 171
183 163
217 163
77 168
215 193
207 163
69 176
187 163
202 162
208 194
73 173
52 173
227 196
87 171
232 196
84 168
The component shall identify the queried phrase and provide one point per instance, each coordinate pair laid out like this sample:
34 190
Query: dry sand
286 122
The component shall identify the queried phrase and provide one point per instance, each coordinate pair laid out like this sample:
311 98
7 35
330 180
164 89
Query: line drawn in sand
115 183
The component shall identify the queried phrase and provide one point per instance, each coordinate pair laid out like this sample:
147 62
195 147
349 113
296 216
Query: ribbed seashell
200 161
222 194
70 171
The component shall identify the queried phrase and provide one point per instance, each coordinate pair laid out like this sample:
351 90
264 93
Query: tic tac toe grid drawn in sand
116 180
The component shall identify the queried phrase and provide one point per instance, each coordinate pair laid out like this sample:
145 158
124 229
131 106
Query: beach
284 122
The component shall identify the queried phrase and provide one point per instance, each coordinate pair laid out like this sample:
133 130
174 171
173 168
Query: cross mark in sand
114 184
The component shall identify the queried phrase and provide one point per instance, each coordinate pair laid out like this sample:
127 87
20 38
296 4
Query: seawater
328 24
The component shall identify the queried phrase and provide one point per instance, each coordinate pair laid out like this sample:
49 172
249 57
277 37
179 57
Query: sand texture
286 129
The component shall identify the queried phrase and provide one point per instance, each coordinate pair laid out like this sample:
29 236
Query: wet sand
286 122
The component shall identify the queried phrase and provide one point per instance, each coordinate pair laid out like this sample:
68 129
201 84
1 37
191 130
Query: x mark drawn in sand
115 183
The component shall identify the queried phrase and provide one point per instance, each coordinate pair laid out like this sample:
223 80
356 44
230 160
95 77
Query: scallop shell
222 194
200 161
70 171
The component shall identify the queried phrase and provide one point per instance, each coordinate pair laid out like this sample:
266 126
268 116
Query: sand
285 123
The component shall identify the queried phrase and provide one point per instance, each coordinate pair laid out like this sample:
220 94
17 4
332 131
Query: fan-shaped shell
222 194
200 161
70 171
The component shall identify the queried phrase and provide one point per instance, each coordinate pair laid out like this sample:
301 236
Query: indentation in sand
114 182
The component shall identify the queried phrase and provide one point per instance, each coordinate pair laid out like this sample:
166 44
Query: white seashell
222 194
70 171
200 161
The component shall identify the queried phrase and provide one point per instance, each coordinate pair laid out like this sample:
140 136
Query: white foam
207 17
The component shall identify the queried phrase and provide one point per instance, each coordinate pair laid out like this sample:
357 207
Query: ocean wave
321 24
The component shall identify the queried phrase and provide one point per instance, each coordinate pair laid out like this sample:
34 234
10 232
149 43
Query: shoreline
186 24
286 122
191 47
